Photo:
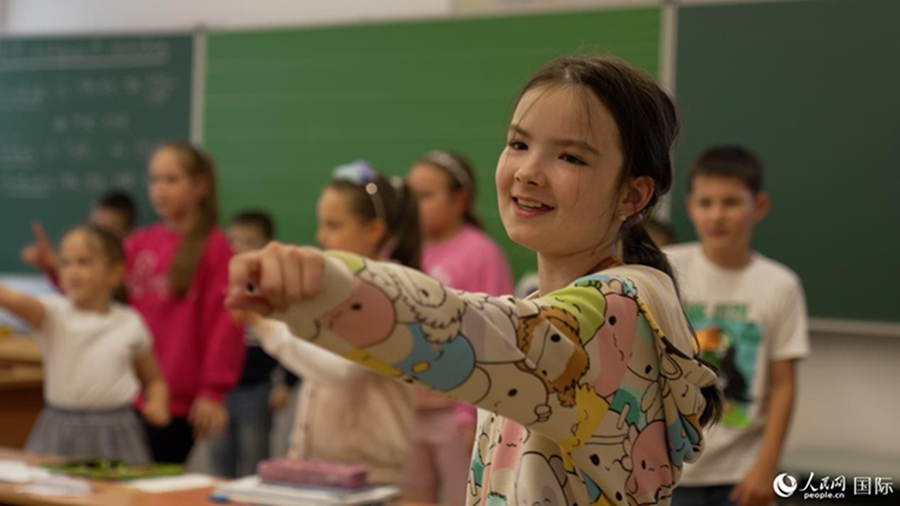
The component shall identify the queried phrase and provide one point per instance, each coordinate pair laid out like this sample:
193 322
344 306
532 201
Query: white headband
450 164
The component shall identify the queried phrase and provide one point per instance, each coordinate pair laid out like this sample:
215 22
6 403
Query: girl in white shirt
97 356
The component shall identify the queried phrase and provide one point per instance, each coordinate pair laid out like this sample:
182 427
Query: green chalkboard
812 87
79 116
285 107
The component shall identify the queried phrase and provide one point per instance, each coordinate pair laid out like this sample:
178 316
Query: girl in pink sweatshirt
176 275
460 254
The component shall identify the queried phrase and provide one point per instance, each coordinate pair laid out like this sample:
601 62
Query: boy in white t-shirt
749 313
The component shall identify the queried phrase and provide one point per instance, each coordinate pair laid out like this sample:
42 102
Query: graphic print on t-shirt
731 343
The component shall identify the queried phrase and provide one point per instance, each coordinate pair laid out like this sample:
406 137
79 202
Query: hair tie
633 221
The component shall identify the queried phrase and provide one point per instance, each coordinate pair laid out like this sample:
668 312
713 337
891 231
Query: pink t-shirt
200 350
470 261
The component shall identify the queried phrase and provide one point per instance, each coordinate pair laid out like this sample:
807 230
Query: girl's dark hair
109 244
460 178
120 202
111 248
199 166
729 161
648 126
392 201
260 220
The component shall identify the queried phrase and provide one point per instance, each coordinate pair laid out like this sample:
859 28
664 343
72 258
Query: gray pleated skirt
90 434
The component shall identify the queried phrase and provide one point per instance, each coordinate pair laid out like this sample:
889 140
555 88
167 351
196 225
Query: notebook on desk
253 491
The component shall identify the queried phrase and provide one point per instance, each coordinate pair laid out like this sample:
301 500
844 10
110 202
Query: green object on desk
113 470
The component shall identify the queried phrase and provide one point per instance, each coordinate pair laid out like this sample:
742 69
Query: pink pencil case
316 473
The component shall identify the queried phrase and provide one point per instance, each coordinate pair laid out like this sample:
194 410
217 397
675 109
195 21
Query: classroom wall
844 386
50 16
846 395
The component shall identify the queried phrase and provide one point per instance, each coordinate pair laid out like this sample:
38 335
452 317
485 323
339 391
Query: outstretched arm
28 308
300 357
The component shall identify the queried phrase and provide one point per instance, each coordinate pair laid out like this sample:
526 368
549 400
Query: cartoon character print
541 481
354 263
681 408
680 370
510 445
372 320
495 499
682 404
651 478
523 471
609 285
424 300
642 371
368 361
444 366
626 429
474 389
584 306
682 430
379 275
500 447
591 410
366 318
502 480
552 347
604 457
516 394
611 348
481 459
595 496
484 314
684 440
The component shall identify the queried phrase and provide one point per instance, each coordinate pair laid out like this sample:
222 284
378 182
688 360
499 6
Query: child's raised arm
40 255
543 363
27 308
156 409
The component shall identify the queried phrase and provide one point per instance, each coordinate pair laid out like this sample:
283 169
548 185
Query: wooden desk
21 401
21 389
105 494
19 350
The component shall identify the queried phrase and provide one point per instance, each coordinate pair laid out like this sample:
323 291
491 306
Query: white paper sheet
14 471
172 483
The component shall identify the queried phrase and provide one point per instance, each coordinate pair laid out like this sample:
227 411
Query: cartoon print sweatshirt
589 394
